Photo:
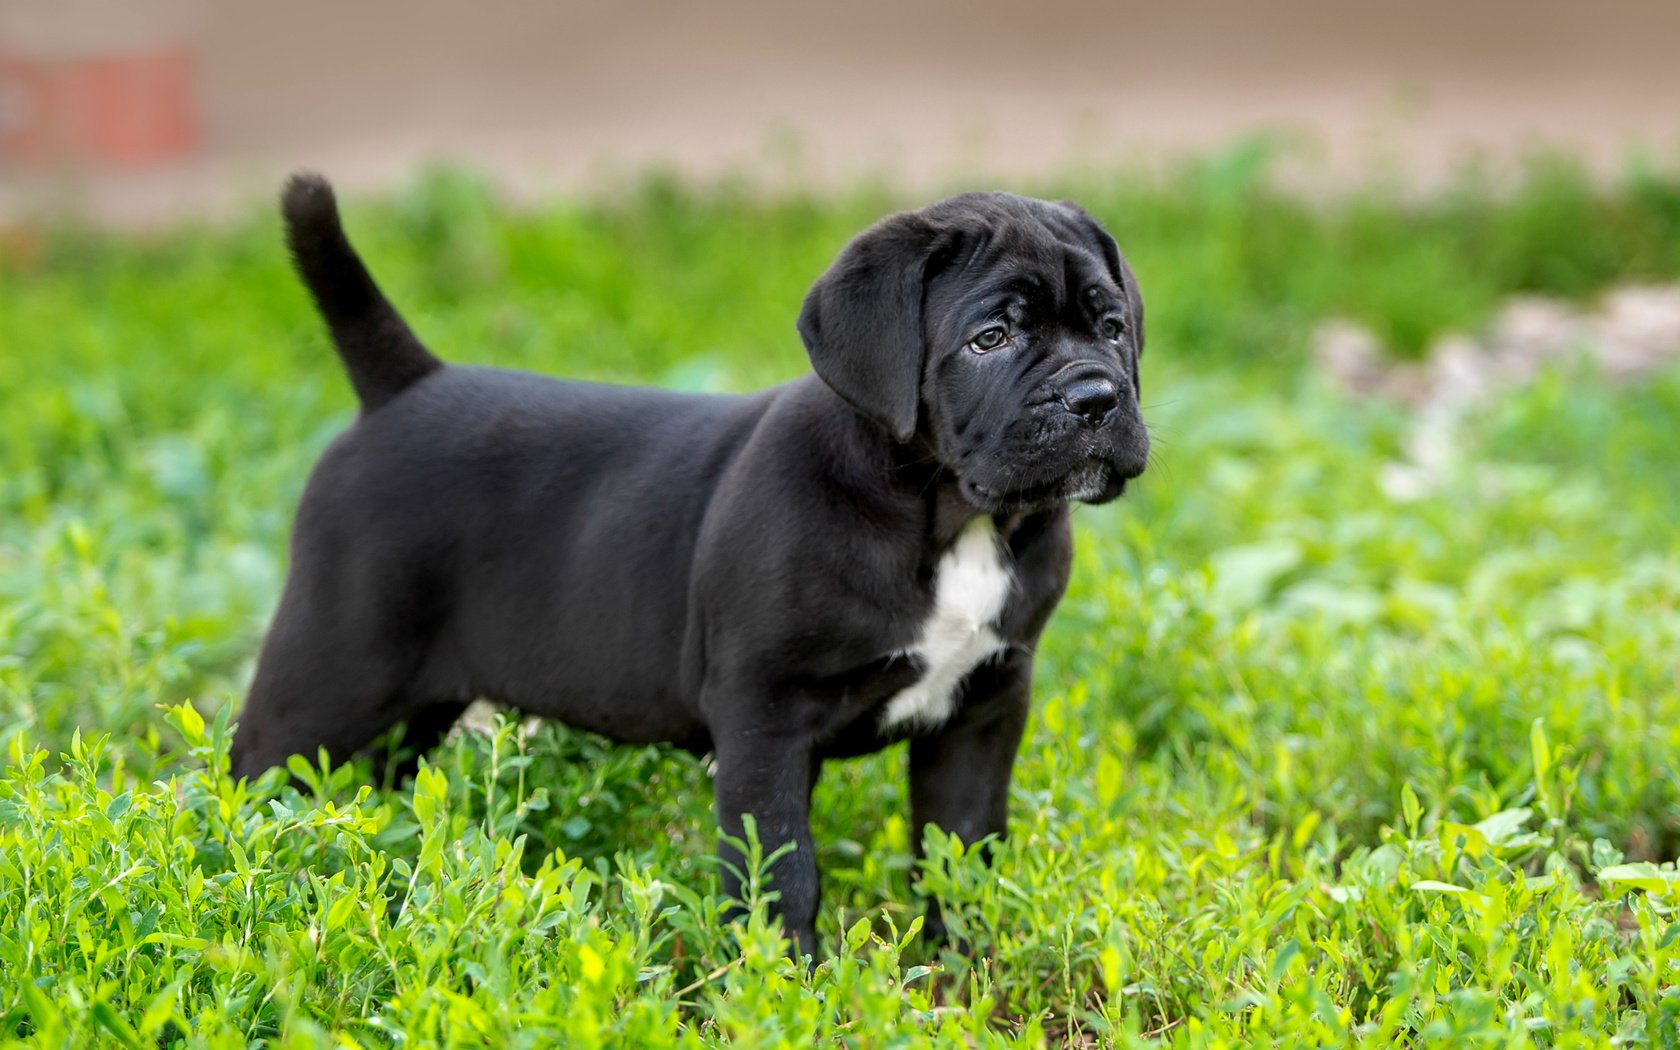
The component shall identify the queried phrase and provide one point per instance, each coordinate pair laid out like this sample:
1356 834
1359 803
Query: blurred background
142 111
1395 608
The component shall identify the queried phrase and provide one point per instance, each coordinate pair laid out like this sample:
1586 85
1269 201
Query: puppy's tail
381 354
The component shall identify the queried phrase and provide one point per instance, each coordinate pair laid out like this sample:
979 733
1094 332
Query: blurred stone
479 717
1637 330
1633 332
1458 373
1351 354
1531 330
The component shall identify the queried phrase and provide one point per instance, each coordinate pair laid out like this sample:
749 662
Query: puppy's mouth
1093 481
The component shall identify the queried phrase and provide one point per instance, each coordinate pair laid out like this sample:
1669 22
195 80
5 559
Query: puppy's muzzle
1089 391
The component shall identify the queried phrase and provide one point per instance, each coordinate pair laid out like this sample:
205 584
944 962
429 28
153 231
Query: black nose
1091 398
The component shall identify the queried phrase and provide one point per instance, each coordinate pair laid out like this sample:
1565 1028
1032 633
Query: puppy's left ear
1092 232
862 321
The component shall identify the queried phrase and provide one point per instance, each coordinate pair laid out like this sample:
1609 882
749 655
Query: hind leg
323 681
397 758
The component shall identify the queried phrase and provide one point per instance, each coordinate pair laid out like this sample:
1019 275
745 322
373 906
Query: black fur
862 321
740 575
381 354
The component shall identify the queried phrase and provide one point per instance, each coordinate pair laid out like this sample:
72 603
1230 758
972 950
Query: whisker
1163 462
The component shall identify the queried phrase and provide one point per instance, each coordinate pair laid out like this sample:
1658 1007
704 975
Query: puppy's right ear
862 321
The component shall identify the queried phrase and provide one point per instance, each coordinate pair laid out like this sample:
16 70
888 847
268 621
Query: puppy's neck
916 473
948 511
951 513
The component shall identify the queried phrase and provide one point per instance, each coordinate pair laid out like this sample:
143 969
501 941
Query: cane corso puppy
863 555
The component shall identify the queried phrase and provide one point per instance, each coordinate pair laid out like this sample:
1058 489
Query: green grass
1308 765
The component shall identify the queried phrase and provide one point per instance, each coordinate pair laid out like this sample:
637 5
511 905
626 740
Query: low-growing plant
1309 764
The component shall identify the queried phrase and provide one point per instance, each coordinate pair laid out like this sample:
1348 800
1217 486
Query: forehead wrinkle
1083 269
1018 256
988 285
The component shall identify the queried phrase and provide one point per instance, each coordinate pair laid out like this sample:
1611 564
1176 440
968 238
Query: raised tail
381 354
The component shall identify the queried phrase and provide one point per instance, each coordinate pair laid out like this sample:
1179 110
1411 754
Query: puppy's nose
1091 397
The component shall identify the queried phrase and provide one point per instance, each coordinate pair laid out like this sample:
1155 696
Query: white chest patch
971 585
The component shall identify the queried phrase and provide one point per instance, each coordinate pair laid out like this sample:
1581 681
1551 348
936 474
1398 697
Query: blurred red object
96 83
117 110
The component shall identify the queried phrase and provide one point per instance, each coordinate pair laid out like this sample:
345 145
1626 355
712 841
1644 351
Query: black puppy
860 556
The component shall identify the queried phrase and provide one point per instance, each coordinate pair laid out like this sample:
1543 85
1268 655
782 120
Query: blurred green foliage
1310 765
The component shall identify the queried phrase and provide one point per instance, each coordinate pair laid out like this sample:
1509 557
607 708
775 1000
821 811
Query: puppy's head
1001 332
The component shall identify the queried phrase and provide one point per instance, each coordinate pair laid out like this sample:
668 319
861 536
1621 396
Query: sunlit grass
1308 764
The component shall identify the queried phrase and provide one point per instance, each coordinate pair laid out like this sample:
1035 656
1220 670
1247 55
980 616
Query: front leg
959 776
771 777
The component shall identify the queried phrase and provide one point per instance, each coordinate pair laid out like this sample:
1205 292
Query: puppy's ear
1092 233
862 321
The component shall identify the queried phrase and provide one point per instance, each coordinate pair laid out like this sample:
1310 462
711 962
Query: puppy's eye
1112 327
989 339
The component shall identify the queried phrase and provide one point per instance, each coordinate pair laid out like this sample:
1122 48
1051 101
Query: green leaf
1411 810
1503 827
107 1018
188 722
1643 876
304 771
431 789
1432 886
42 1012
858 935
1243 575
1542 751
119 805
910 933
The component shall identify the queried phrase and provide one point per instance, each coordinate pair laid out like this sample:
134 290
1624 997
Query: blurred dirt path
928 93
